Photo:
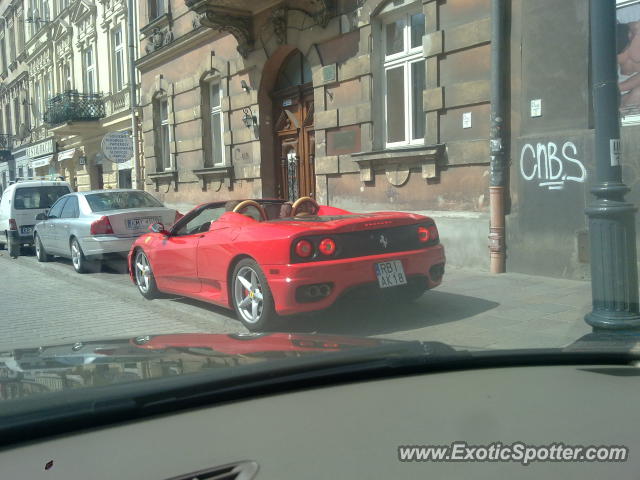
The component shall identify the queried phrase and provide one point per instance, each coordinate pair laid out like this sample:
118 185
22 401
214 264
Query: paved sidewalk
481 310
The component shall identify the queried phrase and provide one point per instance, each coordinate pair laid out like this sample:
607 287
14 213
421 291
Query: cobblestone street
48 303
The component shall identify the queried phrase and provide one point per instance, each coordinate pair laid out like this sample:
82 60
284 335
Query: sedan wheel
41 253
252 297
144 276
79 261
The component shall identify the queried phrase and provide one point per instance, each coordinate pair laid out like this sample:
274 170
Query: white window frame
635 118
213 111
164 129
159 7
118 53
90 76
403 59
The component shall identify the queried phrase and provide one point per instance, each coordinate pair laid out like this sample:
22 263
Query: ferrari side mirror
157 228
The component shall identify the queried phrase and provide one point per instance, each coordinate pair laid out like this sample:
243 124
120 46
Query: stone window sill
221 172
397 162
167 176
157 22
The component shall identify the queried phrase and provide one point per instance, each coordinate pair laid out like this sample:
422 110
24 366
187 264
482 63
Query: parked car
266 258
20 204
89 226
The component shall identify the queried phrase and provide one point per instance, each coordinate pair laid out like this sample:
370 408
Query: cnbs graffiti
550 165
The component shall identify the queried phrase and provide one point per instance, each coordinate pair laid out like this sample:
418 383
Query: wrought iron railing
6 141
72 106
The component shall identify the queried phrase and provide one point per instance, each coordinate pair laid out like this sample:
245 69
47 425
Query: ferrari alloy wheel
144 276
252 297
41 253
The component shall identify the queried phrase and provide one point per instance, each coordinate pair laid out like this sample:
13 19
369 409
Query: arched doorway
294 140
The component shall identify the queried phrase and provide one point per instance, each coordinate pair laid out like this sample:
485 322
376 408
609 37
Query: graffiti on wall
551 165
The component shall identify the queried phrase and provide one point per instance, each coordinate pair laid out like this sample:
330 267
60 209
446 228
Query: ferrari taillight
13 225
304 248
423 234
102 226
327 246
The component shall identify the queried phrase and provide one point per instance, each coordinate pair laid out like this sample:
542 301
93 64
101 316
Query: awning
66 154
41 161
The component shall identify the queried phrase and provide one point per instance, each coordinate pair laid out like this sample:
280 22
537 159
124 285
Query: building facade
385 105
67 87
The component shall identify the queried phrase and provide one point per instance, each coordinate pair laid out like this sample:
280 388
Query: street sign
117 147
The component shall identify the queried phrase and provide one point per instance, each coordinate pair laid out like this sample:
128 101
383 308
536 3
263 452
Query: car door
65 224
214 255
47 231
174 260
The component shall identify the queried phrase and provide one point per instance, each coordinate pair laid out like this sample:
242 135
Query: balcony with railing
72 106
6 142
117 102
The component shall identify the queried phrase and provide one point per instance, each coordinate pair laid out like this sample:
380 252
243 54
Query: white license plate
26 230
140 223
390 274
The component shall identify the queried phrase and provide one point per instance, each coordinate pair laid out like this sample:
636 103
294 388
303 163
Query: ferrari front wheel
144 276
251 296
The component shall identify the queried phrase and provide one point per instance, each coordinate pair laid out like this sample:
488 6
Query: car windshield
103 201
269 183
28 198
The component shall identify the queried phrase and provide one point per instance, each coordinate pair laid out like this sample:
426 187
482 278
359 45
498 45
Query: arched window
402 25
295 71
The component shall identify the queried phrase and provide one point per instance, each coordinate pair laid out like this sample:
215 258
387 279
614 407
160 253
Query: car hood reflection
32 371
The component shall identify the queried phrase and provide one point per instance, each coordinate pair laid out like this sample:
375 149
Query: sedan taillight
102 226
13 225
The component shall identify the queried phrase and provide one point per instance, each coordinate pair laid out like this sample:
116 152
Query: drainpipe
498 163
133 97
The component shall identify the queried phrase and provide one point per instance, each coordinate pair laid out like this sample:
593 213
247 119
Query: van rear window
28 198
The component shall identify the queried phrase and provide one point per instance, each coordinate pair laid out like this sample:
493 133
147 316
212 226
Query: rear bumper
99 246
347 274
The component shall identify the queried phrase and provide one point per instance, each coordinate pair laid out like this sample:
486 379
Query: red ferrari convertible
270 258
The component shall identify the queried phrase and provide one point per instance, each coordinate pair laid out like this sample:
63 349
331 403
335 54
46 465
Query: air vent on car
245 470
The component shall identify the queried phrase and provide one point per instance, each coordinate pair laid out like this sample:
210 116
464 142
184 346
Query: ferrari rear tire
145 281
251 296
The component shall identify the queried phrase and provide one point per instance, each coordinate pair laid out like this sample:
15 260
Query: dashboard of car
355 430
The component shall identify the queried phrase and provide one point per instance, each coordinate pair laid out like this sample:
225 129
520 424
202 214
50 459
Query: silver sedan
89 226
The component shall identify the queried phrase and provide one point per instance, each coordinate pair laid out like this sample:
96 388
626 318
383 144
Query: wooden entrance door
295 143
293 129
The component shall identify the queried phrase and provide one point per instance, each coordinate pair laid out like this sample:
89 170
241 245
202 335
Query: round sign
117 147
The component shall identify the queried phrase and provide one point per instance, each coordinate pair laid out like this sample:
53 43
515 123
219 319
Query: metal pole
498 167
614 270
133 97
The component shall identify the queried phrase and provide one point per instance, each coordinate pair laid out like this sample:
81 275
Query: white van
19 205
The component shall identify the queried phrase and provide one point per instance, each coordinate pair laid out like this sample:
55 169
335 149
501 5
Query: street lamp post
614 270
